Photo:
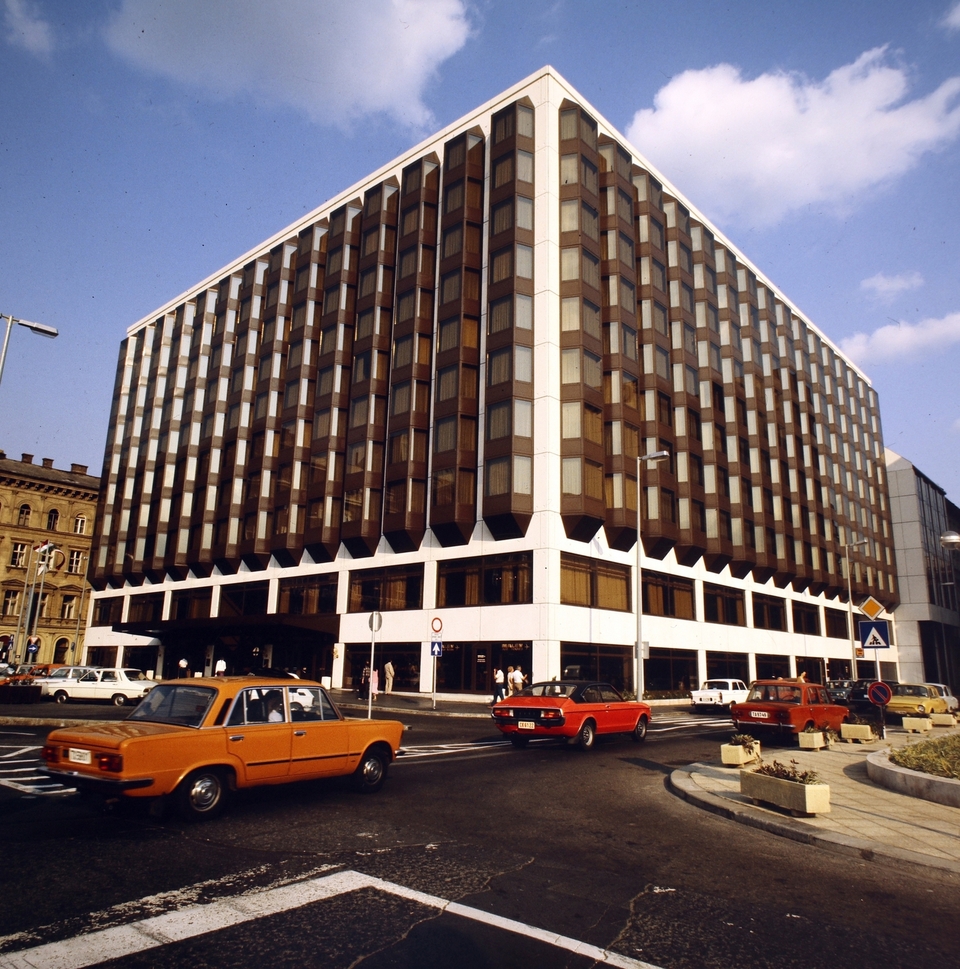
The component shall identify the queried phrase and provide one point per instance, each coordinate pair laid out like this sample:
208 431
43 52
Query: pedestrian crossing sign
875 634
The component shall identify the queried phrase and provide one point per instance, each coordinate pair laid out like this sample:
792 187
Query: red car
574 711
788 706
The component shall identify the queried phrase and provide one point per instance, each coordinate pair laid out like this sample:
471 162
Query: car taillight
110 762
502 712
50 755
549 714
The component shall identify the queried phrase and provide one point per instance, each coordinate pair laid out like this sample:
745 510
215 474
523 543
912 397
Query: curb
683 785
929 787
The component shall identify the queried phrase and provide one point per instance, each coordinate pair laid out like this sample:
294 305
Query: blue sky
146 143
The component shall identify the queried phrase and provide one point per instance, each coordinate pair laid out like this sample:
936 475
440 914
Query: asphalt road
539 850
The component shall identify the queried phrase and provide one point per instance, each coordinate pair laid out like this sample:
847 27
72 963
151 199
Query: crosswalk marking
191 921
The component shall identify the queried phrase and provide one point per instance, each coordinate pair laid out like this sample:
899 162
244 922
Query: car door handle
299 733
237 736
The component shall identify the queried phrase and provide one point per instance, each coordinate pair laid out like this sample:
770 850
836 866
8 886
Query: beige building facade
46 527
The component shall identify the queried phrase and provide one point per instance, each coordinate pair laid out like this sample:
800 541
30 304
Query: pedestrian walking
388 673
518 679
498 684
375 682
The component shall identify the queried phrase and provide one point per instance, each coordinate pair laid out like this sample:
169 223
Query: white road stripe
194 920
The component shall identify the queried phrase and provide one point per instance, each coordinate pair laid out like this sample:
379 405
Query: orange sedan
200 740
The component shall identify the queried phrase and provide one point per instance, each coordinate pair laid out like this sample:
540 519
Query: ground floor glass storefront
591 661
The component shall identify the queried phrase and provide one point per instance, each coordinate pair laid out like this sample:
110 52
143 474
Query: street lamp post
654 456
853 641
40 328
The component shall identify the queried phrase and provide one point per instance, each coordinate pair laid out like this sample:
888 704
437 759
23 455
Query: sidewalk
866 820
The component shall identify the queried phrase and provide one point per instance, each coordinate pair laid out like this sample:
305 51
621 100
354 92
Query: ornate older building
428 398
46 525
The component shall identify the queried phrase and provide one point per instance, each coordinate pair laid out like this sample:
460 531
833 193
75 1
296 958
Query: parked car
201 739
913 698
718 693
859 700
787 706
117 685
65 674
569 710
26 673
952 703
839 690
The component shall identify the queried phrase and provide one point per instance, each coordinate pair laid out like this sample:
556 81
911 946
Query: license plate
760 714
76 756
526 725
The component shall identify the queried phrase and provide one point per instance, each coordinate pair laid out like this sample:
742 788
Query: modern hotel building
427 399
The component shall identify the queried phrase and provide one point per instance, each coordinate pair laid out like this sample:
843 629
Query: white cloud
26 28
755 150
335 60
887 288
951 19
898 341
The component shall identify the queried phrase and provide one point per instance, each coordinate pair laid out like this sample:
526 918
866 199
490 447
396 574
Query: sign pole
436 650
376 620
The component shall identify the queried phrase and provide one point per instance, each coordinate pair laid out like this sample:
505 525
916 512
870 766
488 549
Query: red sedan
573 711
788 706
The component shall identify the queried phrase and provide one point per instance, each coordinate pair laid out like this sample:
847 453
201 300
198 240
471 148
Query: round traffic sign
375 622
436 624
879 693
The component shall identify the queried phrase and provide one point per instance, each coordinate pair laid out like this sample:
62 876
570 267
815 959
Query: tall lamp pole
41 328
853 641
653 456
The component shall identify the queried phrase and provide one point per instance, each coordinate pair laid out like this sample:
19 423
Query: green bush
939 757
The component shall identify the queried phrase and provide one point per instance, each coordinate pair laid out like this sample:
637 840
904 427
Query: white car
117 685
59 676
952 703
719 693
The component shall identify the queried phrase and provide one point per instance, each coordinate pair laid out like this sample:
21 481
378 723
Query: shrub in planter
799 792
862 731
742 749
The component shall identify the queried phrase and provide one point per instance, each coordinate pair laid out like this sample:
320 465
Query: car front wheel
587 735
202 794
370 774
639 733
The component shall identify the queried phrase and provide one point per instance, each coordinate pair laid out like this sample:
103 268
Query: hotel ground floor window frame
770 666
404 656
468 667
593 661
814 667
732 666
670 670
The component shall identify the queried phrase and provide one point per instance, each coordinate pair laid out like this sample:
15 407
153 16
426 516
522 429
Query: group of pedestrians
506 684
370 680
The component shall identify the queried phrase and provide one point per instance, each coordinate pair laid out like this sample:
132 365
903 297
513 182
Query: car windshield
906 689
777 692
186 705
548 689
716 685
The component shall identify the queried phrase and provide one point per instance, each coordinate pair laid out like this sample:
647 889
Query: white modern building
427 399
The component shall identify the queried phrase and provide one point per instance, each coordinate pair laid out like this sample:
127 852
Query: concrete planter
862 733
736 756
814 740
943 719
917 724
799 799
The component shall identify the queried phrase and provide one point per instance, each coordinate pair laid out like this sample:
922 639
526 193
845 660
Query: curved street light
40 328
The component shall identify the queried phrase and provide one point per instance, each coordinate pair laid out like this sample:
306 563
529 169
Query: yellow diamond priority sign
870 607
